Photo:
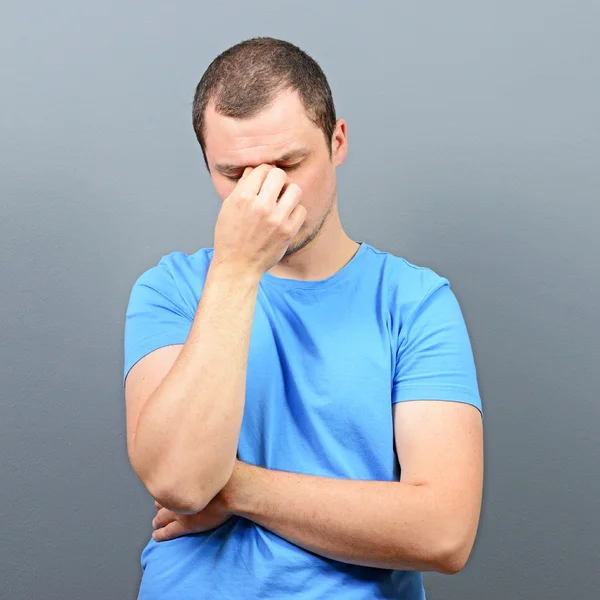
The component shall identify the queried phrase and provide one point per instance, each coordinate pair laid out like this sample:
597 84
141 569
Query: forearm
372 523
187 435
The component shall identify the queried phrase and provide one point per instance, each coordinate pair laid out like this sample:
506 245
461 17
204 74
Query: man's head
266 101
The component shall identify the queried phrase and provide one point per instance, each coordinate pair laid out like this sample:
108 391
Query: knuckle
288 228
262 211
245 195
273 220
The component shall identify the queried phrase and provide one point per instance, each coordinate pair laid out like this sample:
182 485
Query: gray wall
474 150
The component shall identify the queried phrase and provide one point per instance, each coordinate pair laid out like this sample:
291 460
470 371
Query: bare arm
185 442
185 405
425 522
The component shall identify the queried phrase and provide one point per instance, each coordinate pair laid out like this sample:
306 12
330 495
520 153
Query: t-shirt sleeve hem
434 393
150 345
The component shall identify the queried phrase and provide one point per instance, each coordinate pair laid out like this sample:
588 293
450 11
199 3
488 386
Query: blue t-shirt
327 360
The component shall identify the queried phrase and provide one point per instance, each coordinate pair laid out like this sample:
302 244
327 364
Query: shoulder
406 284
177 276
180 266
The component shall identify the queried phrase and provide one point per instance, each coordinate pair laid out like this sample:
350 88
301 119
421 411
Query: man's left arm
425 522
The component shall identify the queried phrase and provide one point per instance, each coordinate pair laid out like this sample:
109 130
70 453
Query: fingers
251 181
169 532
271 187
245 174
288 201
163 518
166 526
296 220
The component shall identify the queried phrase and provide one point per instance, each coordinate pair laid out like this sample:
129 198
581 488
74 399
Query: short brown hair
245 79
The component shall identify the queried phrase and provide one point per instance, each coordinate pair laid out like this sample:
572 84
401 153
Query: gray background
474 150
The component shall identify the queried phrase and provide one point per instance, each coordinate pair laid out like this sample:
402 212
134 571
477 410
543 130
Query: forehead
281 127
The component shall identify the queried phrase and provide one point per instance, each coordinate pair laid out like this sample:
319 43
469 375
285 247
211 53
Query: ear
339 143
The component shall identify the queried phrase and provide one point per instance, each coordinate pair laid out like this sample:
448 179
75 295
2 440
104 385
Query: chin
301 241
304 239
295 246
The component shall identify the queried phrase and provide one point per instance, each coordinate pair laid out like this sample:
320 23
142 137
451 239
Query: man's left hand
169 525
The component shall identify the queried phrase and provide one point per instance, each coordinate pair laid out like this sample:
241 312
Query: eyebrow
296 154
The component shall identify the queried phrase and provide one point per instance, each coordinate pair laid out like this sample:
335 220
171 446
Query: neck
324 256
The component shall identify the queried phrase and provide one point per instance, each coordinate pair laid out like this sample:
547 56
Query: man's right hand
257 221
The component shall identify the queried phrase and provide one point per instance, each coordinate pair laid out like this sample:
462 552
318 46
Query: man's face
281 135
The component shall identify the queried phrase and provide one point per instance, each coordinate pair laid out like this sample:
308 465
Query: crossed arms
184 411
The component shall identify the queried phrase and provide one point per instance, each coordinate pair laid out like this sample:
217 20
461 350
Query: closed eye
291 167
286 168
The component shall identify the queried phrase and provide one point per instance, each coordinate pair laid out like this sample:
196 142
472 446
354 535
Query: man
303 408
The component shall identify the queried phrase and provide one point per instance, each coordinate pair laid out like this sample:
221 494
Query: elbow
450 564
184 495
182 492
452 557
182 498
177 500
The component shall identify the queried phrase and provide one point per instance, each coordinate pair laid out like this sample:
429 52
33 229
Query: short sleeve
156 316
434 360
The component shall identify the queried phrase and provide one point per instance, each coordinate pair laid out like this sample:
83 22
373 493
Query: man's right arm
185 403
183 443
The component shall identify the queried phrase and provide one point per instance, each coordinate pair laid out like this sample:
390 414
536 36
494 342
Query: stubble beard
299 245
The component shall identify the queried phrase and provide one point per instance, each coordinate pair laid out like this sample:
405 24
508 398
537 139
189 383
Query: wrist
237 493
235 273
